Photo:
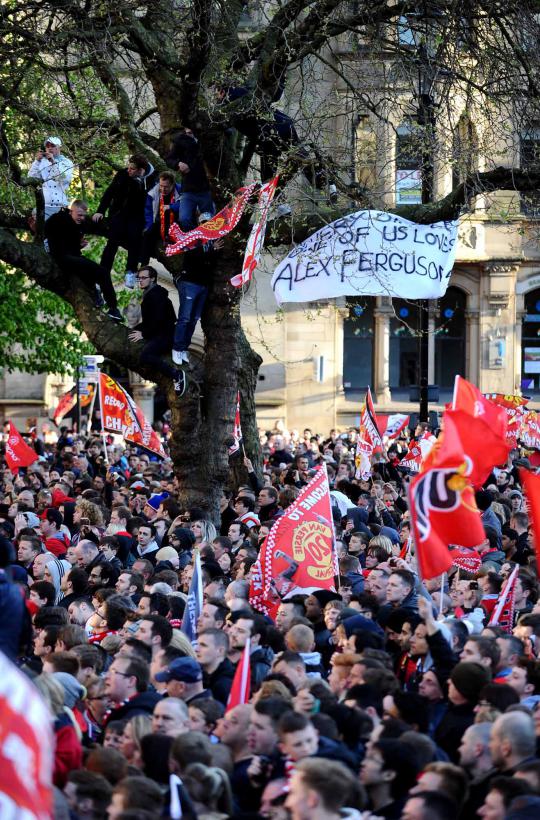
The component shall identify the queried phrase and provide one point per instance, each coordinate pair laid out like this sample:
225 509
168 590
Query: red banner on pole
442 505
531 485
18 453
298 556
120 414
369 438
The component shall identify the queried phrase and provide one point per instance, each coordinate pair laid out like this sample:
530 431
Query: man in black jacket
186 157
124 199
64 236
157 327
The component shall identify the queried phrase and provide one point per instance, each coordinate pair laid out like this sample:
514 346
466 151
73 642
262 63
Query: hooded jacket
151 205
261 662
126 195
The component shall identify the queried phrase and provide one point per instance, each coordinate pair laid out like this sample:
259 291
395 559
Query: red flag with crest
442 505
18 453
298 555
529 433
369 438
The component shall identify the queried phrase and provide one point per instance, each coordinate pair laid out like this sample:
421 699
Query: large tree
117 77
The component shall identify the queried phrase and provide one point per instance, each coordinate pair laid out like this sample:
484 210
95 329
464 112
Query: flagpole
103 435
494 620
443 576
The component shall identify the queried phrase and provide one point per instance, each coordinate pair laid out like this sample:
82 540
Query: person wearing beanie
54 572
466 682
434 687
153 504
182 540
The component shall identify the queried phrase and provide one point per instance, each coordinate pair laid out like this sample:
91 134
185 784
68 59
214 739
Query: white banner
369 253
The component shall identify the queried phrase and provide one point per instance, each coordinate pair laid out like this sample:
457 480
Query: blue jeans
192 299
187 211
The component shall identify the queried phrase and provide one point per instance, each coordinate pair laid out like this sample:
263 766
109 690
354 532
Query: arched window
408 164
403 346
358 332
464 150
530 344
450 337
530 161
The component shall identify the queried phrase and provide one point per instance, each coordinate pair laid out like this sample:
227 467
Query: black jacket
220 681
127 195
63 235
186 149
452 727
199 265
158 316
142 703
260 662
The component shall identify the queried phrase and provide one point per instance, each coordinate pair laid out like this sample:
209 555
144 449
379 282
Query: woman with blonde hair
381 541
204 532
134 731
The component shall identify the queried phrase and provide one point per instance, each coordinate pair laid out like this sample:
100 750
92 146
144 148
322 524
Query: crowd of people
390 698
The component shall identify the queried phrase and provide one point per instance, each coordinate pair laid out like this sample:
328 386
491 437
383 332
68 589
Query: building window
358 330
365 154
408 164
450 337
404 345
530 161
530 344
464 151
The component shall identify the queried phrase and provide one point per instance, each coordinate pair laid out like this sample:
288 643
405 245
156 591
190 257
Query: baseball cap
54 141
155 500
186 670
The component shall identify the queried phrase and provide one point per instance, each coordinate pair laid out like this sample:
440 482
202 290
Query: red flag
256 237
531 485
241 685
120 414
503 614
482 444
220 225
412 458
237 432
529 433
18 453
467 397
27 747
391 424
442 505
369 438
298 555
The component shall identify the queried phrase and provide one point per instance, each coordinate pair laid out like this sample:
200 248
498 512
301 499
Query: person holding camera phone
56 172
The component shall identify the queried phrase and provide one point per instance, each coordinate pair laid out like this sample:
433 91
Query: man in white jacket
56 171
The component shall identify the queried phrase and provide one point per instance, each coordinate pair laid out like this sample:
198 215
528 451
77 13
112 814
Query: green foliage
38 331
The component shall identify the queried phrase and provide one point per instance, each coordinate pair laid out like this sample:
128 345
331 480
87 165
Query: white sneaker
130 279
185 356
178 356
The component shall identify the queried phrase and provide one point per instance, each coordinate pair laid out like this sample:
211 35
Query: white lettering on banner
114 402
372 253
